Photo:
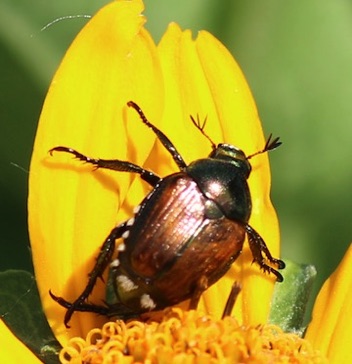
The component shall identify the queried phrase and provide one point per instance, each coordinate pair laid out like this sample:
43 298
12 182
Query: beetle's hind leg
80 306
201 286
231 300
102 262
110 310
258 247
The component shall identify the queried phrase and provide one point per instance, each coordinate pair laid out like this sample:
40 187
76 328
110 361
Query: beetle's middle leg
258 247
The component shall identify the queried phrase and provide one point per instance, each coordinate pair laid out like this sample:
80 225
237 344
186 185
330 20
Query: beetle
183 237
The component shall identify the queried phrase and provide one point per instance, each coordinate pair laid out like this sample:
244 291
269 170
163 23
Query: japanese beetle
184 235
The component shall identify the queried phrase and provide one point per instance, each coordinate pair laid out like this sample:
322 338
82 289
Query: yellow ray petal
71 209
331 326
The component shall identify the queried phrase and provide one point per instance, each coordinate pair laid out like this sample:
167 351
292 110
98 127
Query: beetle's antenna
269 145
200 126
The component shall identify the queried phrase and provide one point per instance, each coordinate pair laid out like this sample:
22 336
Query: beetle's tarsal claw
281 264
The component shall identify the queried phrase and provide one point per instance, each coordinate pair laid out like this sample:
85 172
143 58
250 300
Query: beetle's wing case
173 244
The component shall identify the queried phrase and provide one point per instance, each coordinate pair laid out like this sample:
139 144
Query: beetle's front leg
103 260
113 164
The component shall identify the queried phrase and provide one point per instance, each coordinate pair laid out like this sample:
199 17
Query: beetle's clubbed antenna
200 126
165 141
269 145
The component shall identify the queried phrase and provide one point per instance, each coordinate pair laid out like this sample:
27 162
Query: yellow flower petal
201 77
71 210
13 350
330 329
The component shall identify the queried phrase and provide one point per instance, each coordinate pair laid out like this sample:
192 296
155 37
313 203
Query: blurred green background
297 57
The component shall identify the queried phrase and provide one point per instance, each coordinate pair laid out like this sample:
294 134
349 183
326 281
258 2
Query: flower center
189 337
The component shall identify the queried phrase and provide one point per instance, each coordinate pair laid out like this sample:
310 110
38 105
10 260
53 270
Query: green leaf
21 310
291 297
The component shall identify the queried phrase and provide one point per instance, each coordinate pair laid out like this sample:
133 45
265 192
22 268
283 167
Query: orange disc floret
188 337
